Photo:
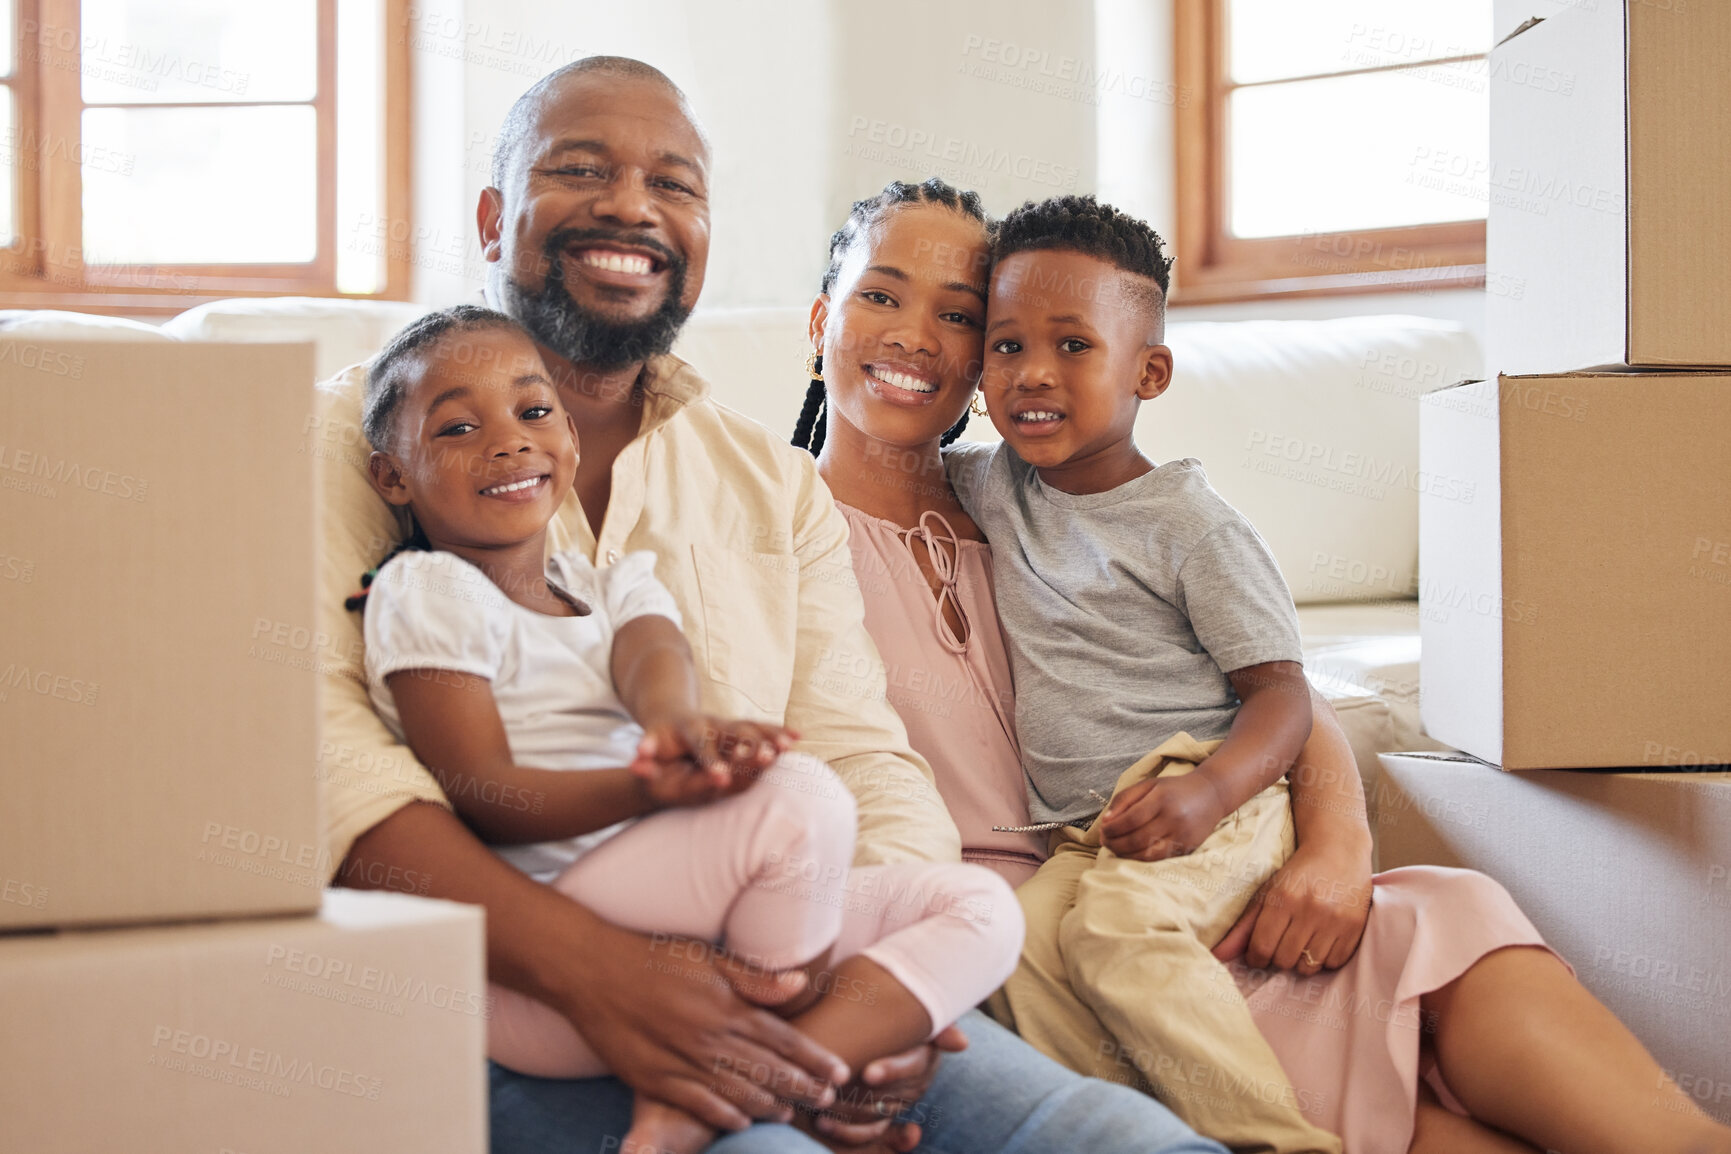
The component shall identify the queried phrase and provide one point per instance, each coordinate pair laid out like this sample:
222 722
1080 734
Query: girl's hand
696 759
1308 917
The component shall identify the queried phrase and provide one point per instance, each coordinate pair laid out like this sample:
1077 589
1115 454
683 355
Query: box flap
1460 569
1456 385
1529 22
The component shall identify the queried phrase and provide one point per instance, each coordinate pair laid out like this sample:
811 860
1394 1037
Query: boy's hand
696 759
1162 818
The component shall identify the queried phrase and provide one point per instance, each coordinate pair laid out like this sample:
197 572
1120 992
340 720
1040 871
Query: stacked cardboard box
357 1030
1576 610
158 665
1627 876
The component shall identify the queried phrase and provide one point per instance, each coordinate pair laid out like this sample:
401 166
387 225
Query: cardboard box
1575 570
1627 876
361 1029
1607 241
157 648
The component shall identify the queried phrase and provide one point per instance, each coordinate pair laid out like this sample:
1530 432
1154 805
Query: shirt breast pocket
750 622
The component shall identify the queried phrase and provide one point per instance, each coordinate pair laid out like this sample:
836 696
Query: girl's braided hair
808 432
387 385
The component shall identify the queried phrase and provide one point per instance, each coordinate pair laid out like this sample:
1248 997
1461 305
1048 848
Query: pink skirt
1349 1038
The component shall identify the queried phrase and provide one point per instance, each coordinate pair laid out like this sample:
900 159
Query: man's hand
1308 917
863 1113
1162 818
656 1011
665 1017
695 759
862 1116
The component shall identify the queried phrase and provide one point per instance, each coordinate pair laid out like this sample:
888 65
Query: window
163 152
1334 146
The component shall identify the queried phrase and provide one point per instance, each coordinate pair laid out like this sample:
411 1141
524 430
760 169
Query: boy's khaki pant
1116 978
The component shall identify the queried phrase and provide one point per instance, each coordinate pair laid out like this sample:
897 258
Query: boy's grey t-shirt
1124 612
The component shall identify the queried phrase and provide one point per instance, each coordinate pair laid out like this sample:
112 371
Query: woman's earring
814 365
976 406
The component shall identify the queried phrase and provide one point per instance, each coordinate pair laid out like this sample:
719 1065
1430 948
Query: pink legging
765 874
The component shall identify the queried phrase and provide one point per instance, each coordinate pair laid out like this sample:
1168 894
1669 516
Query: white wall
812 104
984 94
754 69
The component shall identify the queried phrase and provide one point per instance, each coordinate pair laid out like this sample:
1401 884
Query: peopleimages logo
1378 474
969 160
61 471
47 683
368 979
269 1064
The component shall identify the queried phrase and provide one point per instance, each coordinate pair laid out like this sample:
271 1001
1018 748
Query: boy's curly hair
1083 224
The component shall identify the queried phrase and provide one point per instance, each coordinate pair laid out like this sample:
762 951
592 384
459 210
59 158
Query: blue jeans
999 1094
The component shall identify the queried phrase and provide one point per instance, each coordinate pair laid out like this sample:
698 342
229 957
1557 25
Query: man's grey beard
582 337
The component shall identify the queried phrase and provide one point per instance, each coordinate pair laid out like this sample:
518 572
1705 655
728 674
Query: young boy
1143 613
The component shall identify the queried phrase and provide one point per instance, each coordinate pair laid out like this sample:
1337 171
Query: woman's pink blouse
954 693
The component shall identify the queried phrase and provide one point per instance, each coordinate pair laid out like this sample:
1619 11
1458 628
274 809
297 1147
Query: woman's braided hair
387 385
808 432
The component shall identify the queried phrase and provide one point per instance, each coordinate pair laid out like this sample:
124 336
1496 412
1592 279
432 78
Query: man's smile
635 264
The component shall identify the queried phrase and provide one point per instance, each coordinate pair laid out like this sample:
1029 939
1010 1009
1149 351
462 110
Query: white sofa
1309 427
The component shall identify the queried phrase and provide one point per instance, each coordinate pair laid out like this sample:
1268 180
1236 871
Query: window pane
360 146
196 51
1271 39
203 186
1357 152
14 159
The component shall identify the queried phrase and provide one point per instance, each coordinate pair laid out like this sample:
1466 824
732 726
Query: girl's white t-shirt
551 676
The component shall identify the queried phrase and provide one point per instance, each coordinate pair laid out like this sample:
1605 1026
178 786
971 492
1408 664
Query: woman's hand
695 758
1309 916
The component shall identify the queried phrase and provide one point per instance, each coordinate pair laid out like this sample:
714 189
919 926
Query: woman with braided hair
1432 1041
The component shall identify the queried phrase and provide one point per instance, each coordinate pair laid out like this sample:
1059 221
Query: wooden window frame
44 268
1213 265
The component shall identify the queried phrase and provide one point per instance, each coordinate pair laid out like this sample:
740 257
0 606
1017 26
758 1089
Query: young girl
1471 1037
488 657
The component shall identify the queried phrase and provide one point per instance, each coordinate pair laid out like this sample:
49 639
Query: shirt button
612 556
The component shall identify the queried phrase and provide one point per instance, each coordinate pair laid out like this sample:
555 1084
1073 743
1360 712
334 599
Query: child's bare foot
657 1128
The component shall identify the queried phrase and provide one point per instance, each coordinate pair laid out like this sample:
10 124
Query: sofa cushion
343 332
1310 428
53 324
